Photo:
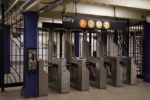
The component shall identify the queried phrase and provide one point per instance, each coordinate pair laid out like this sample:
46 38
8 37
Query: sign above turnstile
93 23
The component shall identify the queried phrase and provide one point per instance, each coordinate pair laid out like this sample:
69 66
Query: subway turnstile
59 76
76 65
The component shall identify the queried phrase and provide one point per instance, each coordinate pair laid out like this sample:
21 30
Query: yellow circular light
91 24
82 23
106 25
99 24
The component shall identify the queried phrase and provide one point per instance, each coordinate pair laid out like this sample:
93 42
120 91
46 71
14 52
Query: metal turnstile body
123 70
59 76
123 67
43 80
79 74
129 70
61 82
116 71
100 73
79 80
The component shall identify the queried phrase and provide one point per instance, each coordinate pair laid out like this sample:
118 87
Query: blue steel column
30 84
146 58
2 50
6 47
77 43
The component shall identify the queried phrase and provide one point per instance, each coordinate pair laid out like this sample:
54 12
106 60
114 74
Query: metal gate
130 42
15 76
42 47
136 38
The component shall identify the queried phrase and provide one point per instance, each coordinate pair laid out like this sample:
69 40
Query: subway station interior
74 50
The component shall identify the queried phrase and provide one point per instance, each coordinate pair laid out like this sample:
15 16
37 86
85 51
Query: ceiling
135 4
38 4
57 6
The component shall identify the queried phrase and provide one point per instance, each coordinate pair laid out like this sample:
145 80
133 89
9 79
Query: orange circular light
82 23
106 25
91 24
99 24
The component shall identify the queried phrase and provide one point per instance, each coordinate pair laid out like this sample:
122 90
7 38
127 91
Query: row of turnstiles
96 70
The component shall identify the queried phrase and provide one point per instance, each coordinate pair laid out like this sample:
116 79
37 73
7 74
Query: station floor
141 91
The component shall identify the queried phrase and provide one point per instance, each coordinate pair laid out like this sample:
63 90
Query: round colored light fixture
91 24
99 24
82 23
106 25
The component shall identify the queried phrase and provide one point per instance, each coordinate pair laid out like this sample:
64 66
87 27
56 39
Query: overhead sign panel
92 23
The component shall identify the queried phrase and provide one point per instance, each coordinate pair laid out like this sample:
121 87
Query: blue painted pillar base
146 58
30 84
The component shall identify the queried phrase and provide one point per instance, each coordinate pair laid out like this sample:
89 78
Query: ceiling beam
11 6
